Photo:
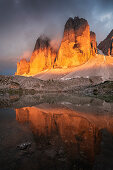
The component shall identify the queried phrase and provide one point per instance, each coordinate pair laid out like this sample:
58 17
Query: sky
23 21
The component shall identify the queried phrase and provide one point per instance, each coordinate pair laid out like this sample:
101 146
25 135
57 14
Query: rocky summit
106 46
43 56
75 45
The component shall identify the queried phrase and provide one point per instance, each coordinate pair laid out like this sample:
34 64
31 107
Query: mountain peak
106 46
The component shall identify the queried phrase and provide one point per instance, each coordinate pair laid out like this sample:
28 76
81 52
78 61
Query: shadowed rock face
75 45
41 43
107 45
93 43
22 67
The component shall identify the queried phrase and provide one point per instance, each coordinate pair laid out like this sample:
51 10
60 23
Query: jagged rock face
93 43
75 45
43 56
107 45
22 67
75 49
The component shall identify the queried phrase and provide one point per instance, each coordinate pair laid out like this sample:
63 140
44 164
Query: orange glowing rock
22 67
43 56
93 43
75 46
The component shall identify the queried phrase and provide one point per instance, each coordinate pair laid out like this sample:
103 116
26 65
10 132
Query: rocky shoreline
72 106
14 90
29 85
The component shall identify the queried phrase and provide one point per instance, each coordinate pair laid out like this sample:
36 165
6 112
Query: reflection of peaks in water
78 129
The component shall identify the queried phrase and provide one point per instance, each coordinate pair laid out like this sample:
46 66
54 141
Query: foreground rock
24 146
103 90
107 45
30 85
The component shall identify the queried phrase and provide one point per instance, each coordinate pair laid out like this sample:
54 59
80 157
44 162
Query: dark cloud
22 21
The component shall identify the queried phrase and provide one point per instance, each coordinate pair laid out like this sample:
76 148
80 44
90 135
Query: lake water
71 133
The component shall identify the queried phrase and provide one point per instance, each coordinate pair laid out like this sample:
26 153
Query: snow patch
66 78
